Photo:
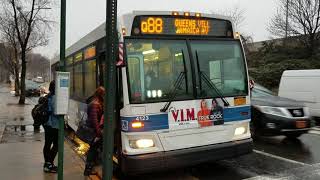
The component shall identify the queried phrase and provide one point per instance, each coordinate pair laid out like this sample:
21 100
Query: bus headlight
240 131
141 143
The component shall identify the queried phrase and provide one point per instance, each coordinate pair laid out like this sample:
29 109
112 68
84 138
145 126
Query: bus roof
126 21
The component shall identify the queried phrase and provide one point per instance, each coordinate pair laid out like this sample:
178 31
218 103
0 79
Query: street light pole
109 83
49 69
62 68
287 14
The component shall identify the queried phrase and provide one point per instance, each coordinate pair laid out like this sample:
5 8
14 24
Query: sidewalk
25 160
21 149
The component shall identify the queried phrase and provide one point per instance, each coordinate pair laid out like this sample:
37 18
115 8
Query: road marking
316 128
314 132
280 158
260 177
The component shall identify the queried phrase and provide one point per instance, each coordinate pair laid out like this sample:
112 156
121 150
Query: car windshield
31 84
260 91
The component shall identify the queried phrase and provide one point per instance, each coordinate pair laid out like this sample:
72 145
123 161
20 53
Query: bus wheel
118 173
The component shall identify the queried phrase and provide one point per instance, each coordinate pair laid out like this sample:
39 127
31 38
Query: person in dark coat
95 113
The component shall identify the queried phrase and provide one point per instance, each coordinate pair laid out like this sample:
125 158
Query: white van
302 85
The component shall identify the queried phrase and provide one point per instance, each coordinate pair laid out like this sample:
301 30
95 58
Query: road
272 158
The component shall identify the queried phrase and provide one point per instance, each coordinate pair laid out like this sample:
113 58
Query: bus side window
101 69
78 81
90 77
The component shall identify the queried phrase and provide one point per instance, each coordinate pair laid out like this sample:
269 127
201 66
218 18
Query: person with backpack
95 114
51 128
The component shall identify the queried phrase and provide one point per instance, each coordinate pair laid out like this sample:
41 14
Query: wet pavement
305 149
273 157
16 123
21 147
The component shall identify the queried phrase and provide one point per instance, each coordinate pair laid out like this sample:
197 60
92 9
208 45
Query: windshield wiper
211 85
173 92
177 84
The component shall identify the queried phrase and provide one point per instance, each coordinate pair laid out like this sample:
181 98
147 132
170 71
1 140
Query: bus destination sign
181 25
192 26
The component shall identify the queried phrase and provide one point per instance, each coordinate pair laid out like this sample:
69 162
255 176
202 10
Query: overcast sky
84 15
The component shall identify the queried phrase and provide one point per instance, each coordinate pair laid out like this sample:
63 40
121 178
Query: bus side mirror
251 84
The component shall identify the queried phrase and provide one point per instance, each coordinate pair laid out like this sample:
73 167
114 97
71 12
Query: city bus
182 89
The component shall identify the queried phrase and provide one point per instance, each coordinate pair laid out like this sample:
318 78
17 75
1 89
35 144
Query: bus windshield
154 67
223 64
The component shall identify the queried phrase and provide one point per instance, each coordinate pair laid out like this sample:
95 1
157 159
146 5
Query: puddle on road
22 128
21 133
16 118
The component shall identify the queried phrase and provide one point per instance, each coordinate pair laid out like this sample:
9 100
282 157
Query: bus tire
118 173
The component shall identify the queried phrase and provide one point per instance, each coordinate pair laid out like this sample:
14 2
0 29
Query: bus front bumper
138 164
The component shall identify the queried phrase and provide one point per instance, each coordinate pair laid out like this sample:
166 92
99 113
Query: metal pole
62 68
109 83
50 70
287 14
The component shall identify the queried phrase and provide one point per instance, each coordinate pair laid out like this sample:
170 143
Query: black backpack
84 131
40 112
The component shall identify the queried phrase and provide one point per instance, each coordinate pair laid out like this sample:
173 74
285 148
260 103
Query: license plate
301 124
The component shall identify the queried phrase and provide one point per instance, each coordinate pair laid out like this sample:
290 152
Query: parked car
273 115
304 86
38 79
32 88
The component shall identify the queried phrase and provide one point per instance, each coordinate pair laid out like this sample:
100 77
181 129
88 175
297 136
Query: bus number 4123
142 118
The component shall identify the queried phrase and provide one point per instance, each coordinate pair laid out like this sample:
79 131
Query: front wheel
117 171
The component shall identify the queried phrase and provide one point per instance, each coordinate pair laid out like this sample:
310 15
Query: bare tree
237 15
247 41
38 65
6 60
31 27
299 19
12 50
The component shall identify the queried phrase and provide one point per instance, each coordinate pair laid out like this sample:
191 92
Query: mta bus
182 89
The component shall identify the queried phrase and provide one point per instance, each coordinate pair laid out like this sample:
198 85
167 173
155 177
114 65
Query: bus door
136 64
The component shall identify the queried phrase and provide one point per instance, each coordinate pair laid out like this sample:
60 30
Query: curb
2 128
